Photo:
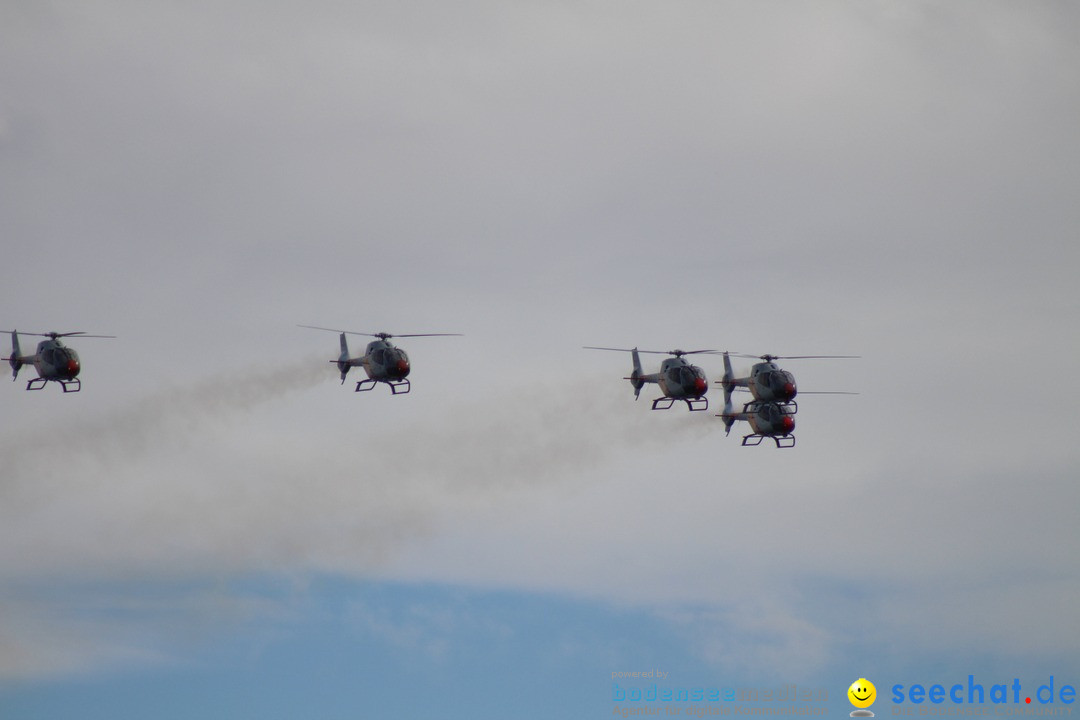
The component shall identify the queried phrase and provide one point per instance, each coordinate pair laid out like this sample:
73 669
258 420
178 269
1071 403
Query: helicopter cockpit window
379 356
777 379
686 376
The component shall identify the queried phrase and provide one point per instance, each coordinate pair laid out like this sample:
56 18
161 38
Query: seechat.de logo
978 693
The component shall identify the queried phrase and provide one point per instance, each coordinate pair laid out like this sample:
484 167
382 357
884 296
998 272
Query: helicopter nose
789 390
788 424
700 386
403 366
73 367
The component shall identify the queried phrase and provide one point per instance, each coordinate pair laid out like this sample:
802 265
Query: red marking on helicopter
700 385
788 424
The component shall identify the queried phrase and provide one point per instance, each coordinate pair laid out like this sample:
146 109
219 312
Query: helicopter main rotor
676 353
769 358
56 335
381 335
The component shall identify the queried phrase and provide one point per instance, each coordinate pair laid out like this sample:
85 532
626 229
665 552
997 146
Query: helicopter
678 379
767 382
767 419
53 360
382 361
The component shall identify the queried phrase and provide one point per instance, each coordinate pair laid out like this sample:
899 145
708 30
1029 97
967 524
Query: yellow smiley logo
862 693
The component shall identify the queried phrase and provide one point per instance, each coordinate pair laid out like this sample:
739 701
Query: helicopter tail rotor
343 359
728 416
635 374
728 384
16 356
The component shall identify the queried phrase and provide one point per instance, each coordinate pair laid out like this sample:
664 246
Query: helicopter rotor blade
316 327
651 352
336 330
55 335
383 335
808 357
423 335
81 335
826 392
767 357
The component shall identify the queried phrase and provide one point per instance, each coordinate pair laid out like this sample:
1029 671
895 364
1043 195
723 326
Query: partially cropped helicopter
767 419
53 360
382 361
678 379
767 382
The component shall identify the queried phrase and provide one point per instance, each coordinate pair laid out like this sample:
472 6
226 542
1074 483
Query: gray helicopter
53 360
382 361
767 419
768 382
678 379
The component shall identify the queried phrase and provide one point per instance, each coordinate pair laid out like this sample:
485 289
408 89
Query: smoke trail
131 493
150 493
133 430
537 436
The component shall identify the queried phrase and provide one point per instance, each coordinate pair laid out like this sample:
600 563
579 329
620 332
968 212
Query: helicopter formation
770 414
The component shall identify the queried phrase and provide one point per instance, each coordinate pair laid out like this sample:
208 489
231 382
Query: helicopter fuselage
56 361
767 420
679 379
769 383
770 418
382 361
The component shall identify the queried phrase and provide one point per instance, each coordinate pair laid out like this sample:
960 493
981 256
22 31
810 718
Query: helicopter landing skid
695 404
395 387
782 441
39 383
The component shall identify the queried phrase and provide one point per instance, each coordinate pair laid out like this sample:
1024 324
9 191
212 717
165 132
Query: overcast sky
215 523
